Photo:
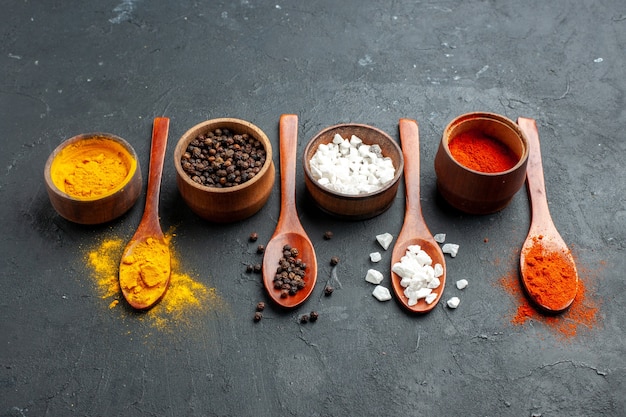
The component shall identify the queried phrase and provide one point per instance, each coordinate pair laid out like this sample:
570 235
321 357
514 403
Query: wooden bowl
228 204
361 206
477 192
98 207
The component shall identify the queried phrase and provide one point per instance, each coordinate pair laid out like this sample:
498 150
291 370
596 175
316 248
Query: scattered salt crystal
453 302
374 276
450 248
375 256
385 240
381 293
440 237
462 283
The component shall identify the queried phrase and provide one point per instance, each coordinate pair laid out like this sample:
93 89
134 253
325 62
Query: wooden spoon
289 230
414 230
542 229
148 232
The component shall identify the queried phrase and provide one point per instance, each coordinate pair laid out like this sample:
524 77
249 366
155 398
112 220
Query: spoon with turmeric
414 231
146 262
547 266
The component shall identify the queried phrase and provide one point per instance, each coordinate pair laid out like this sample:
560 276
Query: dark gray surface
74 67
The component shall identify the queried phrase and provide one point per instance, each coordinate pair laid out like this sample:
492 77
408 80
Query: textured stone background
73 67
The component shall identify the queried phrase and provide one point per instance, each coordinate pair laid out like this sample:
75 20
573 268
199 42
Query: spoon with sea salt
556 295
414 230
146 262
289 230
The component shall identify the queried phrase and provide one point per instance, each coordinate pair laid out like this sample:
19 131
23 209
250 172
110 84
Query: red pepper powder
480 152
582 314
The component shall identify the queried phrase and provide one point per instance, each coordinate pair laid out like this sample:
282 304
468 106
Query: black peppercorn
258 316
328 235
334 260
328 290
253 236
314 315
260 249
304 318
257 268
260 306
249 268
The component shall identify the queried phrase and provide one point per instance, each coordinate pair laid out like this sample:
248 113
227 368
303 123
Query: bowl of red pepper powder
481 162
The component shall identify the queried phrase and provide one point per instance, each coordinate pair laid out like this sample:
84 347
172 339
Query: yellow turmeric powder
184 304
92 168
145 273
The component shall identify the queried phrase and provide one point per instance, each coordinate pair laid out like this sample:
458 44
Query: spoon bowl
414 229
289 230
144 279
543 243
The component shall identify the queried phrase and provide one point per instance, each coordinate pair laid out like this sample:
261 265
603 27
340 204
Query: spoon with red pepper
547 267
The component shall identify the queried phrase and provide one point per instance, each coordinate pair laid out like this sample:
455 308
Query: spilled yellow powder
186 300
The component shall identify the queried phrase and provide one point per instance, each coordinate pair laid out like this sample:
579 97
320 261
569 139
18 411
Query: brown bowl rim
398 174
492 117
86 136
187 137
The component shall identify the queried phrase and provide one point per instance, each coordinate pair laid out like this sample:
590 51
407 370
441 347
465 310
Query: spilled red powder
582 314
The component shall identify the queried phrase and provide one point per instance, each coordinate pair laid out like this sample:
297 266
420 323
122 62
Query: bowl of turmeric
93 178
481 162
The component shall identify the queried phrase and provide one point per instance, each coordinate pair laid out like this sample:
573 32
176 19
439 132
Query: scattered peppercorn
334 260
328 290
313 316
257 268
249 268
328 235
304 318
260 249
222 158
260 306
258 316
254 236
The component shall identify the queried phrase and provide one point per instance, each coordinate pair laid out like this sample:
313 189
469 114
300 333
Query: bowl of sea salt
352 171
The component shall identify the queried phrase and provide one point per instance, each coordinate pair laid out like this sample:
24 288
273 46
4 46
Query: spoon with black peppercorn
414 229
145 267
547 267
289 243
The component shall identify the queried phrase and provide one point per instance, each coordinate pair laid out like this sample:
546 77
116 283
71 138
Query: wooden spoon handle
160 131
534 172
409 137
288 155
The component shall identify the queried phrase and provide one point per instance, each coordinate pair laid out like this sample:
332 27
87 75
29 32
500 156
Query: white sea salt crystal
385 240
381 293
375 256
462 283
351 166
417 275
438 270
430 298
453 302
450 248
374 276
440 237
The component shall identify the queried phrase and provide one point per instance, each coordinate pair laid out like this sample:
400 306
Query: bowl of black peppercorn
224 169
